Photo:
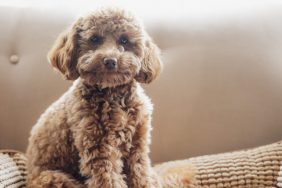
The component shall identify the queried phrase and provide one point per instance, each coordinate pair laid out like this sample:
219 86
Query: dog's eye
96 39
123 40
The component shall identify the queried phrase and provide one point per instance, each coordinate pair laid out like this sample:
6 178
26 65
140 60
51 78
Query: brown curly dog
98 133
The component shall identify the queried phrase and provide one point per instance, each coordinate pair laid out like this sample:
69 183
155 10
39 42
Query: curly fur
98 133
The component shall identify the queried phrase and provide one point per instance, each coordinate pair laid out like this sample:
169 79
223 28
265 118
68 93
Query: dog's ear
63 55
151 64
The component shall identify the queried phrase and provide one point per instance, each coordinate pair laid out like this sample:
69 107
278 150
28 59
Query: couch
221 88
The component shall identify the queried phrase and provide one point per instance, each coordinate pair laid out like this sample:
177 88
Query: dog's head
107 48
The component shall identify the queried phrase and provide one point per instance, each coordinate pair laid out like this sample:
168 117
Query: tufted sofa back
221 88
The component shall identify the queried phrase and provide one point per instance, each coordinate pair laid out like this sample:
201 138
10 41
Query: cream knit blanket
253 168
12 169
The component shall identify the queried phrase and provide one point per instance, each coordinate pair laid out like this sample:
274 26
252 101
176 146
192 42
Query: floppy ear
151 64
63 55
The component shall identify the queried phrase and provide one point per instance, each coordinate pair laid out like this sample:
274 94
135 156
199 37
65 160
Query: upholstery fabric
221 88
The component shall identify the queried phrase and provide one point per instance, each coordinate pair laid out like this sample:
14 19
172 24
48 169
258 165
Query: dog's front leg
103 167
100 161
141 174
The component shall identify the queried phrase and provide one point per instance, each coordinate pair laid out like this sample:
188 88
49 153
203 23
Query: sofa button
14 59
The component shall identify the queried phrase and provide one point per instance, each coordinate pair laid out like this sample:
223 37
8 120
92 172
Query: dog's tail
176 175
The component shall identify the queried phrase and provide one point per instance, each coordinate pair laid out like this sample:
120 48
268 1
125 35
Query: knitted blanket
12 169
253 168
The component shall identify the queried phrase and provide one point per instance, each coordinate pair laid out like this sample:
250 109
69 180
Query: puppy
98 133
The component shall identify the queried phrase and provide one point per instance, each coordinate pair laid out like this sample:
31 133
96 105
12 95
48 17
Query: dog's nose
110 63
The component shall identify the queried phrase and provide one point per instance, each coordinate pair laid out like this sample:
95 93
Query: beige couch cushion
220 90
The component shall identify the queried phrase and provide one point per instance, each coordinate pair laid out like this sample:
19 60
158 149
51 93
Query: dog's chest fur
107 117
